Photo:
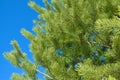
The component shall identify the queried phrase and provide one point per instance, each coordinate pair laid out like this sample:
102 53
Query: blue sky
14 15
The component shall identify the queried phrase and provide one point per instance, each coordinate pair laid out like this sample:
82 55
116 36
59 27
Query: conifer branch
44 74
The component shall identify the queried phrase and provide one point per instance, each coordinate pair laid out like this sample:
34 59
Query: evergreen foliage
75 40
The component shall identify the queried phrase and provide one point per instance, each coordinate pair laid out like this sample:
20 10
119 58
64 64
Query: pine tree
75 40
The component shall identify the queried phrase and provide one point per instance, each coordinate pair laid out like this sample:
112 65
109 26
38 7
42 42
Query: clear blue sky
14 15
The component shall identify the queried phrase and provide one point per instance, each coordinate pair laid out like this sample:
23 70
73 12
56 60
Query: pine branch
44 74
